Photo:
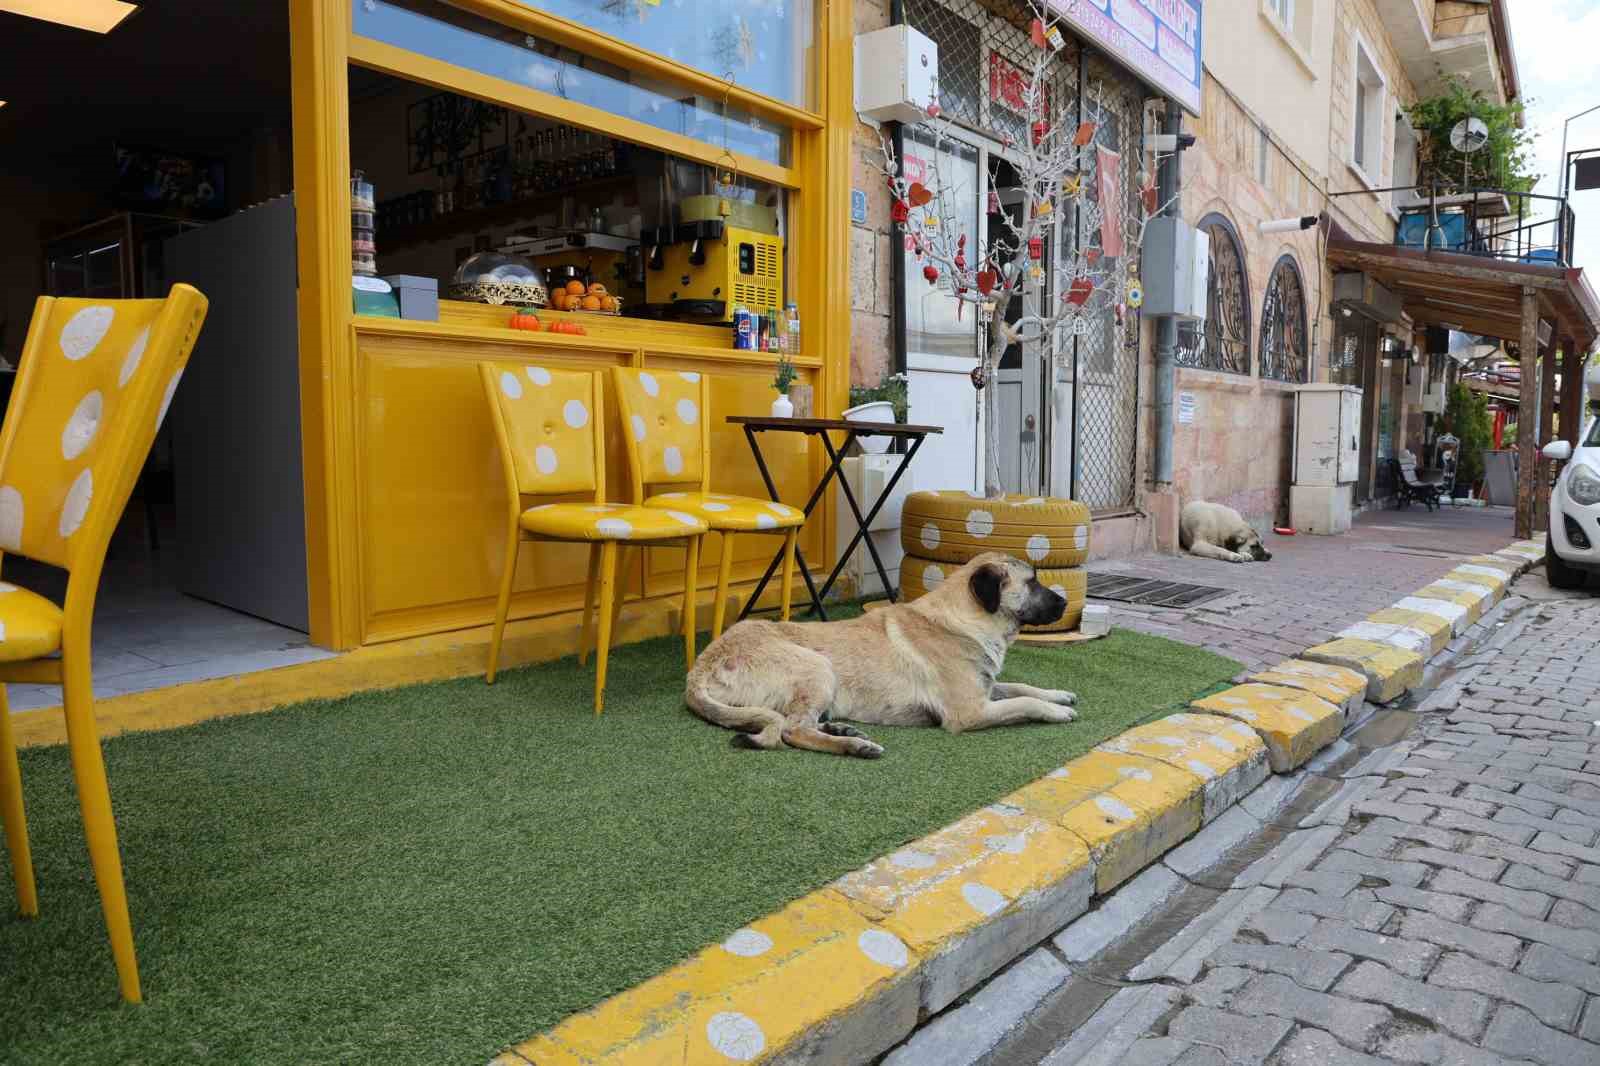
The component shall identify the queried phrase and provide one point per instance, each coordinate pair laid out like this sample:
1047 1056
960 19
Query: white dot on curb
1059 773
883 947
1009 843
982 898
736 1036
1112 807
747 943
911 859
1201 768
1134 773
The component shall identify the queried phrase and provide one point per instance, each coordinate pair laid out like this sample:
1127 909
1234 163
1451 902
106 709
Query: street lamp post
1565 164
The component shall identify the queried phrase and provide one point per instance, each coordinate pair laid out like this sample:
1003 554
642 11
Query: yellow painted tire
916 573
952 527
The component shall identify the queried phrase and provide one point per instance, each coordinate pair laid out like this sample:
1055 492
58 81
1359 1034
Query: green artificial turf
431 873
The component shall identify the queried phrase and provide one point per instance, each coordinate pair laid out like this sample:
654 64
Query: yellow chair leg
621 586
94 800
586 639
691 573
724 571
13 817
788 569
502 606
608 590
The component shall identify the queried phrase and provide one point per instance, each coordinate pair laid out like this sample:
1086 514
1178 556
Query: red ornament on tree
933 109
1079 292
1041 129
986 280
980 377
931 272
1036 248
919 194
899 211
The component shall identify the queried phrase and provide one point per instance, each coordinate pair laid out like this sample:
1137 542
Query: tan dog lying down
931 662
1213 531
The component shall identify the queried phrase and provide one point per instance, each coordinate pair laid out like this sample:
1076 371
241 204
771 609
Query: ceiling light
99 16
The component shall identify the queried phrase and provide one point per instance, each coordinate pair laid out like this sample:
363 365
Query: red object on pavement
1284 531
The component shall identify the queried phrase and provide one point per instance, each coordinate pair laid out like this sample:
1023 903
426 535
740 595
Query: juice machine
722 252
584 256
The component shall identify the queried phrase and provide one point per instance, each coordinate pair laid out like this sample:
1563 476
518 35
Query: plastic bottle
791 329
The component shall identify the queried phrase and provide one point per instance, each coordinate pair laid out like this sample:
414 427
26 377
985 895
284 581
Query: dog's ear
986 582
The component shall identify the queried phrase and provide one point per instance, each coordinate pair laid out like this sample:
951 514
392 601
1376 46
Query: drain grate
1150 591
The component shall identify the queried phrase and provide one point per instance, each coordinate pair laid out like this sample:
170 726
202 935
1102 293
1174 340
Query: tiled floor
147 635
1314 586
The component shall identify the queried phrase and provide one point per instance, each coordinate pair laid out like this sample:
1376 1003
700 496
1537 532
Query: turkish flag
1109 165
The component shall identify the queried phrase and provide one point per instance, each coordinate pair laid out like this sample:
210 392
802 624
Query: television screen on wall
149 179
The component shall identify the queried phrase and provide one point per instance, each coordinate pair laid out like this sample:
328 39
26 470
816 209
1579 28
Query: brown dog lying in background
931 662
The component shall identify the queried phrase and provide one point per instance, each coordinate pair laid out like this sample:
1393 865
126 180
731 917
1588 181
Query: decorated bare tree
1064 170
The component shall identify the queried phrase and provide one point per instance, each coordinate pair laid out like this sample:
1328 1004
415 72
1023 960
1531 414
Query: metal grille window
1284 354
1224 341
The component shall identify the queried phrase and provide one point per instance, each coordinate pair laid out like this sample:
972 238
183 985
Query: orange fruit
607 303
591 303
597 289
575 287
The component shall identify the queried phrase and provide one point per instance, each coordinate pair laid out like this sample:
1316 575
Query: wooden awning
1472 293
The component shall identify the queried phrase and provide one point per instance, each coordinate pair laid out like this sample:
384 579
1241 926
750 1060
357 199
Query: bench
1409 487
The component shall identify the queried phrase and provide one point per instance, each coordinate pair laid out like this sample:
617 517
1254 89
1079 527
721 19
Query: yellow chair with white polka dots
552 443
95 381
668 430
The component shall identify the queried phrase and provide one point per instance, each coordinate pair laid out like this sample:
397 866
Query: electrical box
1175 263
867 476
1327 457
897 74
1433 400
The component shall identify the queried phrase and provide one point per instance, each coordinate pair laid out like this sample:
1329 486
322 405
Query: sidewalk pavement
1441 905
1314 586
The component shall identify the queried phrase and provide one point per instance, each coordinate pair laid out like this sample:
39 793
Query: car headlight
1583 486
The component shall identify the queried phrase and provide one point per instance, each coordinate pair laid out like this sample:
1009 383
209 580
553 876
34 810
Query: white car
1572 547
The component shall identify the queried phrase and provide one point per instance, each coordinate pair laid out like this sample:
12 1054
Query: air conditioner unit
1361 293
897 74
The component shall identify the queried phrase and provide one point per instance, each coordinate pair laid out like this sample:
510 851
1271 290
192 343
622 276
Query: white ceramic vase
781 407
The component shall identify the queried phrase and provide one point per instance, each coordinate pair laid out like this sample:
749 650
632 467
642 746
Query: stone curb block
1437 628
1344 688
1294 725
973 896
1226 755
1390 671
1458 615
1473 598
1403 637
845 972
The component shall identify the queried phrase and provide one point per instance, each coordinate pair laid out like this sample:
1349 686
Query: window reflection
440 32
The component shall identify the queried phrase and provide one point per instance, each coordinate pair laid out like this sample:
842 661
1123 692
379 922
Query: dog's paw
1061 715
1061 696
839 729
1240 557
862 748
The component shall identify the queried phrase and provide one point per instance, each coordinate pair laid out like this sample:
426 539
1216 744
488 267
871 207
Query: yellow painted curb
1227 755
1340 686
1390 671
1001 874
1396 636
1509 567
1477 574
1293 724
766 987
1435 627
1455 615
1127 810
1472 597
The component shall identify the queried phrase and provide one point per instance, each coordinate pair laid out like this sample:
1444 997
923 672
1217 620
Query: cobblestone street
1442 907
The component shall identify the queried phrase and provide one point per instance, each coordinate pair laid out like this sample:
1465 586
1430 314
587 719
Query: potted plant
887 401
781 407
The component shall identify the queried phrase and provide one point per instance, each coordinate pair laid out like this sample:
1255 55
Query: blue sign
858 206
1158 40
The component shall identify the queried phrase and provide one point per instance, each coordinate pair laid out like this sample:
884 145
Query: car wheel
1558 573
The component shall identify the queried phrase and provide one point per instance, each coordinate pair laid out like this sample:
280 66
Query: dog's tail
762 727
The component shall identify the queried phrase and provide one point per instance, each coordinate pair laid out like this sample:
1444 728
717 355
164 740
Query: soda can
743 334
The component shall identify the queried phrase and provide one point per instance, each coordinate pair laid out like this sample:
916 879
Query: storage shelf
458 222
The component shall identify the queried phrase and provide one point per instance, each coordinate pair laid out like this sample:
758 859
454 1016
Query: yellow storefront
404 508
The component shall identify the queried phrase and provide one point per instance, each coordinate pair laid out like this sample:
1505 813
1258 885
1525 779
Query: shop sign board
1157 40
